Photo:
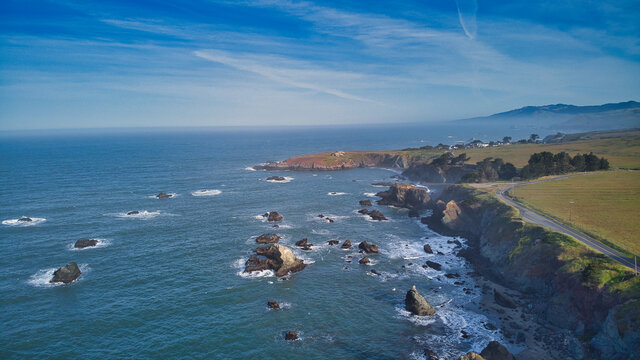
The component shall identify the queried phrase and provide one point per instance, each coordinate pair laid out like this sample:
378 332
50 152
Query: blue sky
86 64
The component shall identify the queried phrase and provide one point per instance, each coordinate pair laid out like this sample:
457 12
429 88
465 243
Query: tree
507 171
506 139
578 162
533 137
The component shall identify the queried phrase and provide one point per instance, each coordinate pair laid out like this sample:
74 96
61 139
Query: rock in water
163 195
333 242
276 178
83 243
134 212
274 216
471 356
365 203
495 351
503 300
25 219
303 243
434 265
427 249
363 211
273 305
414 213
346 244
368 248
268 239
417 304
274 257
365 260
430 354
377 215
66 274
291 335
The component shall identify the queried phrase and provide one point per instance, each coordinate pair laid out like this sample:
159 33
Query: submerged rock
430 354
274 257
434 265
66 274
25 219
291 335
276 178
134 212
363 211
368 248
273 305
365 260
267 239
273 216
376 215
329 220
427 249
365 203
304 244
346 244
83 243
333 242
320 216
164 195
417 304
503 300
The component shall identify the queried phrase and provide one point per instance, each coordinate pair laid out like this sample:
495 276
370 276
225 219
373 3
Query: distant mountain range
564 117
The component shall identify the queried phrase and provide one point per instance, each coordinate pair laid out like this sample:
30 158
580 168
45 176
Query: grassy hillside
622 153
605 205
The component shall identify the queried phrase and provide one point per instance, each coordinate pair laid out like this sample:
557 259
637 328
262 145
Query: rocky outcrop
66 274
417 304
427 249
346 244
368 248
291 335
83 243
276 178
162 195
274 257
365 260
344 160
304 244
430 354
365 203
134 212
503 300
376 215
267 239
25 219
273 216
495 351
430 173
405 196
620 332
333 242
273 305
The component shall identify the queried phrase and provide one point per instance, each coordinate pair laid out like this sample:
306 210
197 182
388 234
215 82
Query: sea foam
16 222
212 192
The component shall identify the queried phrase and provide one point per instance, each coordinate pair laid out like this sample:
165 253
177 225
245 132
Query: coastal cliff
342 160
565 284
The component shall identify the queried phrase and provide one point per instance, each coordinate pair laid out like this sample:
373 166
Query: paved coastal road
537 218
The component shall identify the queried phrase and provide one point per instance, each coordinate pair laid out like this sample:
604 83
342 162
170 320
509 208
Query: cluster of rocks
328 219
272 216
405 196
373 214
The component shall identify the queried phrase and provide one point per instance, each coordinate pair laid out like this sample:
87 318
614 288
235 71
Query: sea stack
83 243
66 274
417 304
274 257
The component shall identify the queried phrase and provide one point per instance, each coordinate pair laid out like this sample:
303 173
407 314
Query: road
535 217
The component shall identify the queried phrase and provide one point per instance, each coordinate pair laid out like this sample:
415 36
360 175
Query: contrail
467 10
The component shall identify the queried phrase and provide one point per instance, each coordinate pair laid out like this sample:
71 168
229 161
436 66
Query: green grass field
605 205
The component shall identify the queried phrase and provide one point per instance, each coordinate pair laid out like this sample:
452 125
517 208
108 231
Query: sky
95 64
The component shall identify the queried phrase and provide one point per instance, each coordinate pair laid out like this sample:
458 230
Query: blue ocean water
169 284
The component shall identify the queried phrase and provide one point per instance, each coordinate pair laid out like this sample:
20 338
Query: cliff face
570 286
405 196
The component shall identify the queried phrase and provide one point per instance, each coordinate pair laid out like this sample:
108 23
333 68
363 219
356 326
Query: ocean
168 282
